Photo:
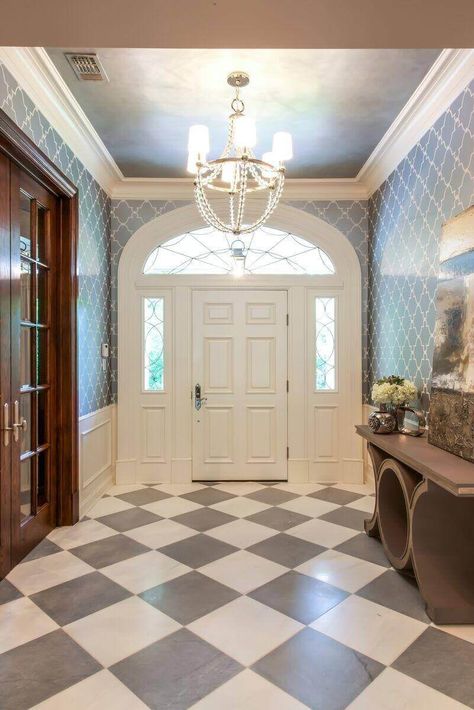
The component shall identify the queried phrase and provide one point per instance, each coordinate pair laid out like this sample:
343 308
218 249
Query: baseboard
96 455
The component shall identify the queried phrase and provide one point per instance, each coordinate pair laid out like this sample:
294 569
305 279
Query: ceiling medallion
237 172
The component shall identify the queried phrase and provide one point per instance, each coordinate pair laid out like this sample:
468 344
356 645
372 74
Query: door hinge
287 319
287 452
288 385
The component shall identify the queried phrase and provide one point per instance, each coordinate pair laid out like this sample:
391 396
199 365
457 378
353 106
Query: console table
424 517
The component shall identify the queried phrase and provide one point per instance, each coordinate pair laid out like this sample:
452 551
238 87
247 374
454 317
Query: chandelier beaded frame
250 175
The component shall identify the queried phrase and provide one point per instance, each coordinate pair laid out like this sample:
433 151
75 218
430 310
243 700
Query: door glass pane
25 412
25 487
43 478
25 224
26 286
42 418
325 365
26 371
41 357
41 295
41 235
153 346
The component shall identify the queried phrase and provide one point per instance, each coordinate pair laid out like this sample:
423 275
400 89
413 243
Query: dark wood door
28 336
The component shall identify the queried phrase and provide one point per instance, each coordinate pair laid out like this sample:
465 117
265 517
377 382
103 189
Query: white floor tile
239 488
122 488
22 621
98 692
392 690
309 506
169 507
376 631
243 571
119 630
34 576
240 507
241 533
163 532
106 506
245 629
248 691
366 504
300 489
343 571
144 571
364 489
179 489
462 631
322 533
80 534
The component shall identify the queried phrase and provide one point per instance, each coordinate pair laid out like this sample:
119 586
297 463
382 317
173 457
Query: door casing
18 148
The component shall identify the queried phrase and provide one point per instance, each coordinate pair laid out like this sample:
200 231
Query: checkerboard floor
232 595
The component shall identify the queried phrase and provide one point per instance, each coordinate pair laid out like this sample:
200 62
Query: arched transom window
267 251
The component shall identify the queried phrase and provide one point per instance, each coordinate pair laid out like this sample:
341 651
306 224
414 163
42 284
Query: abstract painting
452 388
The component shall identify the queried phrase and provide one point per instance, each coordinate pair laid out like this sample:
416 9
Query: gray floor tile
176 672
348 517
189 597
38 669
286 550
207 496
108 551
204 519
396 591
271 496
8 592
129 519
301 597
443 662
334 495
318 671
278 518
80 597
365 548
43 549
198 550
143 496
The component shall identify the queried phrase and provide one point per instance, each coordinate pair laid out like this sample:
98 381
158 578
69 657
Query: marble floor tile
242 571
34 576
240 507
241 533
21 621
343 571
144 571
164 532
322 533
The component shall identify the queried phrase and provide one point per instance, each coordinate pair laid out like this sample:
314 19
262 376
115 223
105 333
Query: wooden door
240 366
29 342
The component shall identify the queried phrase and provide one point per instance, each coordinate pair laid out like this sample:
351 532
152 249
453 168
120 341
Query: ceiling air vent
87 67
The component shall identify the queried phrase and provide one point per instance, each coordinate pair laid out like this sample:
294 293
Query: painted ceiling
337 103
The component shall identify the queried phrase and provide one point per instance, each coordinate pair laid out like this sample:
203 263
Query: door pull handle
6 428
19 423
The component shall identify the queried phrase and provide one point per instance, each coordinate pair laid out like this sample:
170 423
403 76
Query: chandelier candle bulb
282 146
237 171
198 143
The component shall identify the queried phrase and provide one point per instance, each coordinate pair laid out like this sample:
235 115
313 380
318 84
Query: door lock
198 400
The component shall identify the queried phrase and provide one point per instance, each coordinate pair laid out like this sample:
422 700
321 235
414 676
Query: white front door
240 366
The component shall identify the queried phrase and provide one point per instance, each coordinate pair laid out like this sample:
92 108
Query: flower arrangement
393 391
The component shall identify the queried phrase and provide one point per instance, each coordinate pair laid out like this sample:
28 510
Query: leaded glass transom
153 345
268 251
325 321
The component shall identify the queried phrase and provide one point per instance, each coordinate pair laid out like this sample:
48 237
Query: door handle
19 423
198 400
6 428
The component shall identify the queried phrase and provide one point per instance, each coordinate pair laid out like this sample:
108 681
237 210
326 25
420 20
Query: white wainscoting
97 446
368 468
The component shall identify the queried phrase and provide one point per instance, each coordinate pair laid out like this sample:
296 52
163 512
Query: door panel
28 332
240 359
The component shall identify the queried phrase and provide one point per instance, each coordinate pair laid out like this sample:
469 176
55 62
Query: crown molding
182 189
36 74
449 75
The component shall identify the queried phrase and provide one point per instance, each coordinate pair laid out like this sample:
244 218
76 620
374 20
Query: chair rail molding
37 75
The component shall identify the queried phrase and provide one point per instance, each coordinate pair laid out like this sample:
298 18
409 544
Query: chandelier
237 172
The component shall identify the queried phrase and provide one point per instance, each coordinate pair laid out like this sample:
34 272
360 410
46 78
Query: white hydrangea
397 395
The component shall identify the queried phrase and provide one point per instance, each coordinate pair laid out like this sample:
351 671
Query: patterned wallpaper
93 249
347 216
432 184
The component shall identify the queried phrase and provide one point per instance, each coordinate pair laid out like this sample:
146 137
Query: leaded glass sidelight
153 344
267 251
325 346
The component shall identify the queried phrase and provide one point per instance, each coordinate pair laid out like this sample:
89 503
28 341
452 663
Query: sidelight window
153 344
325 345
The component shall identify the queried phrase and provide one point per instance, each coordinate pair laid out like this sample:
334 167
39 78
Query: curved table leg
371 525
442 545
